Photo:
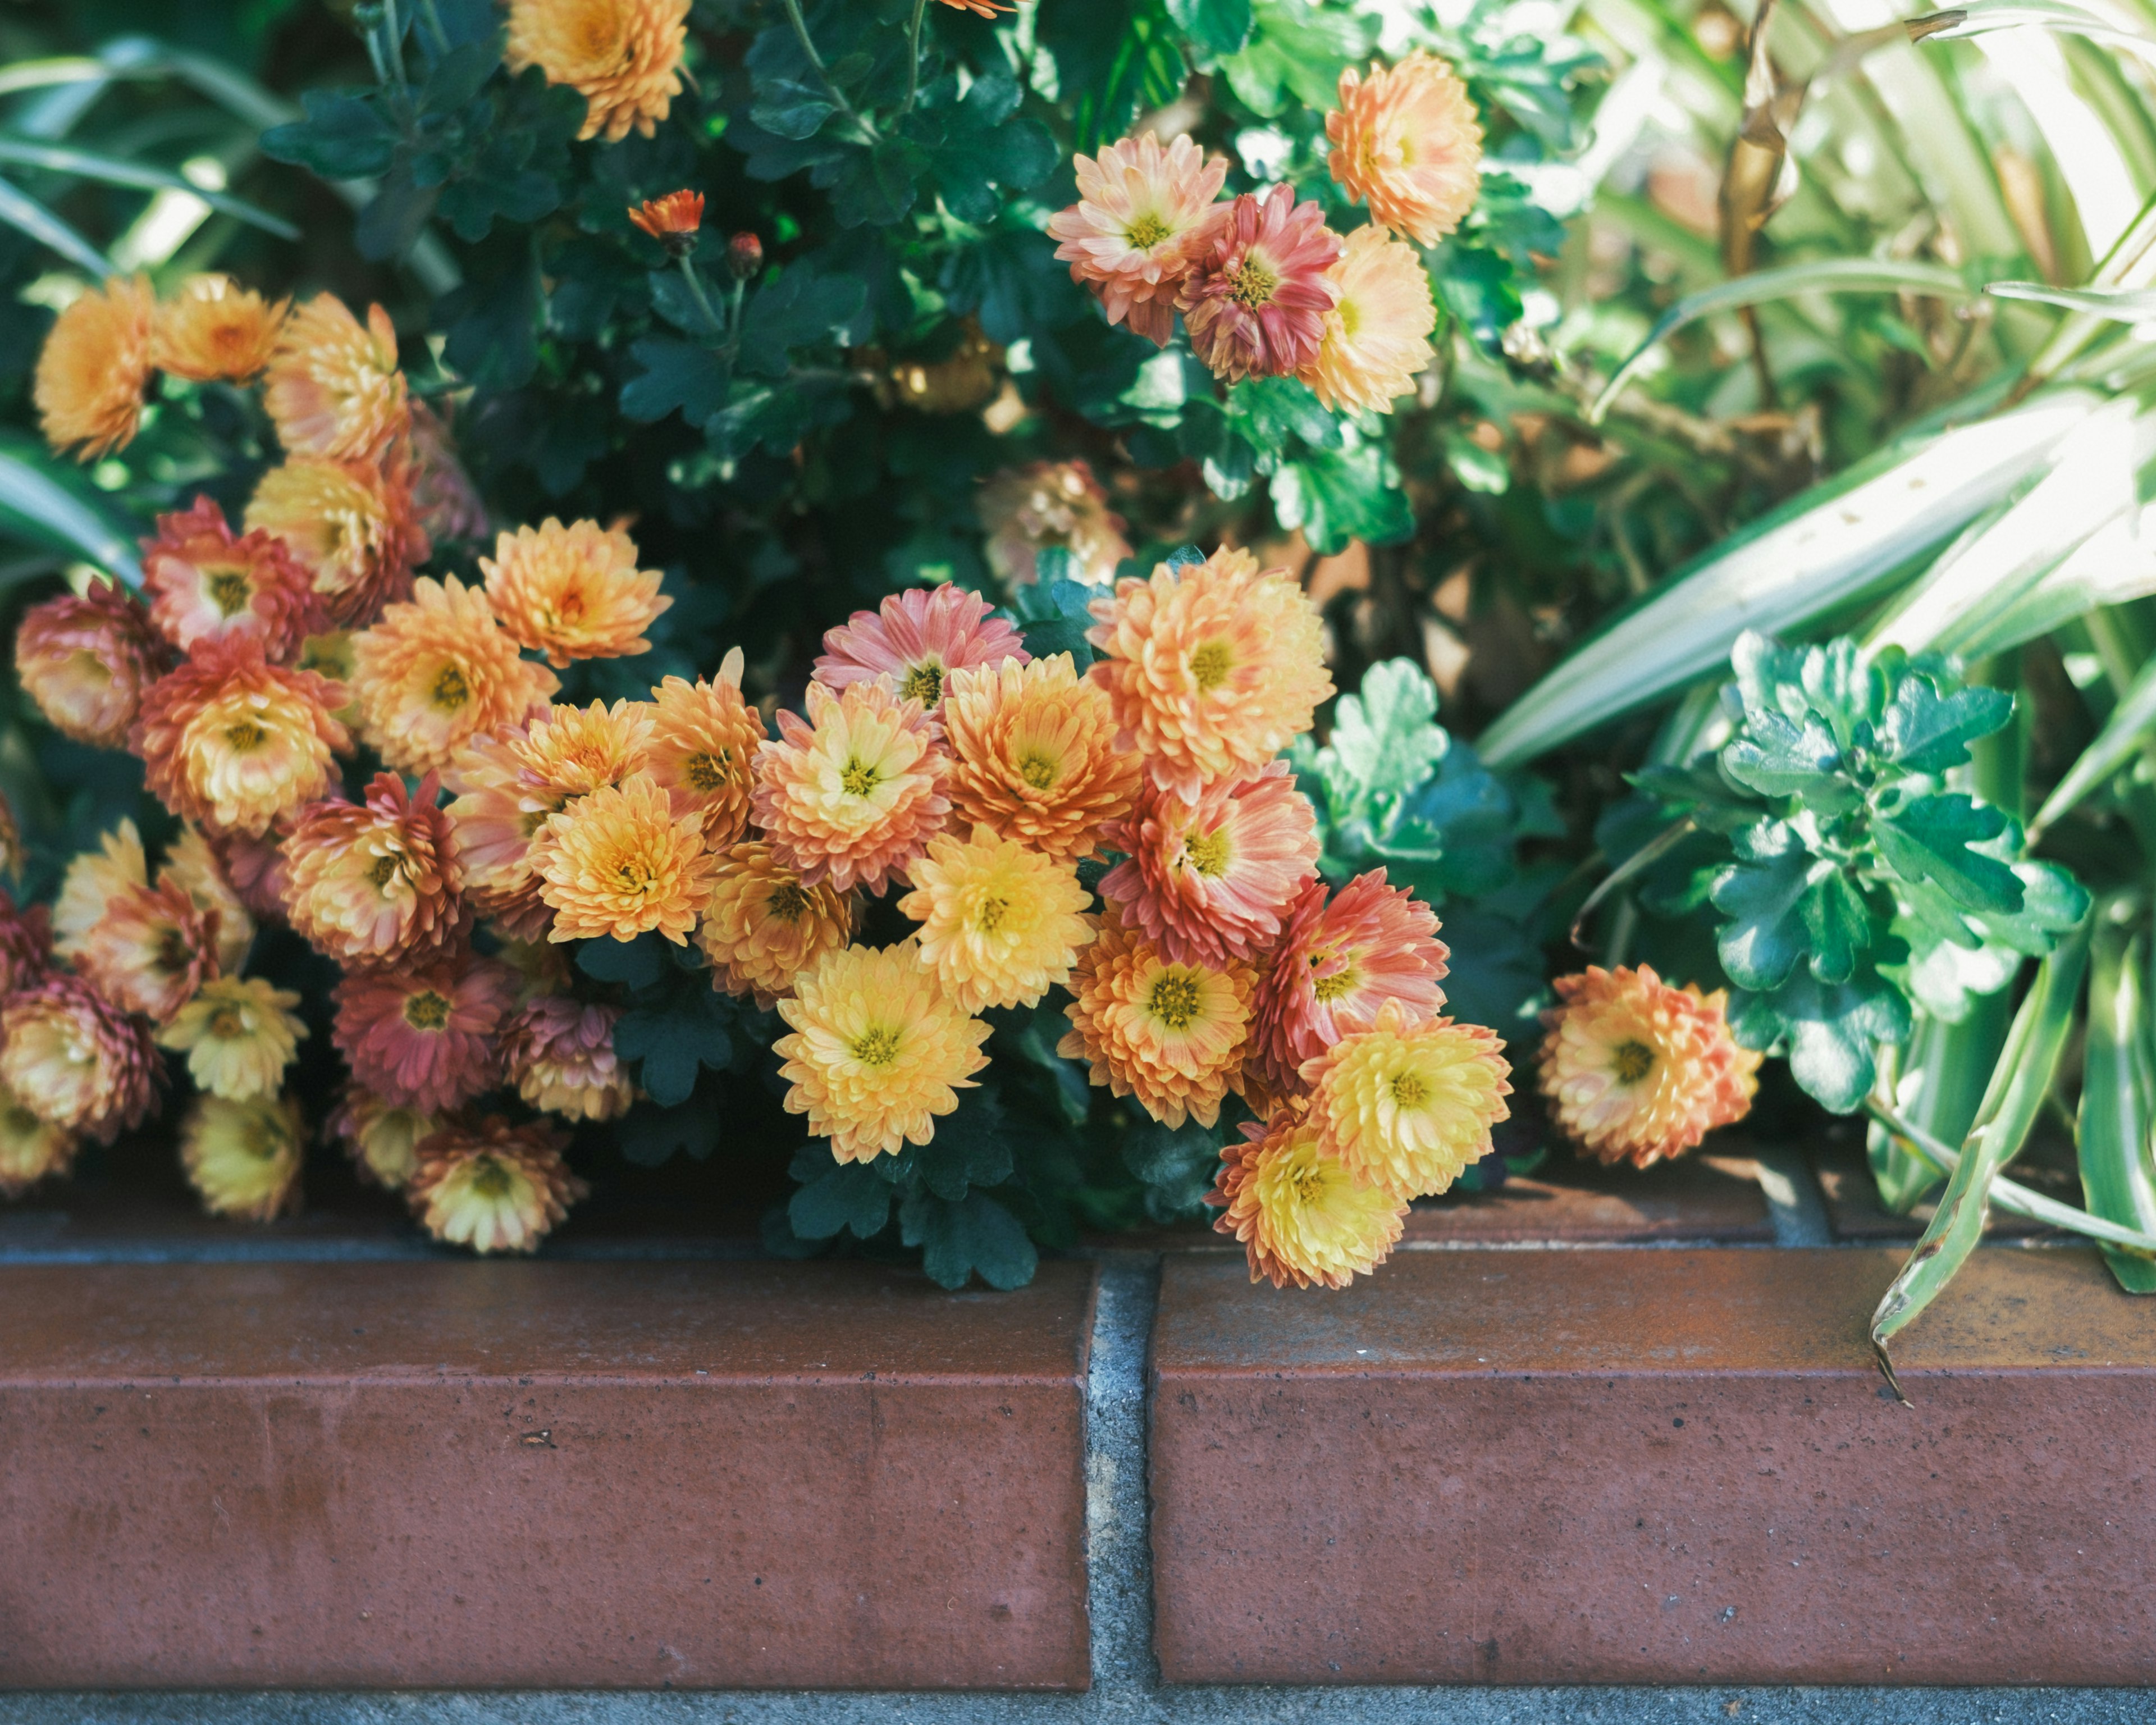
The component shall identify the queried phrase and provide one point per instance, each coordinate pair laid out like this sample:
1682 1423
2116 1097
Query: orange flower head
239 1034
877 1050
334 391
762 927
1636 1070
243 1157
214 328
427 1038
559 1053
352 525
1051 505
624 57
234 742
1035 756
150 951
1408 1103
203 580
31 1149
572 592
1376 337
86 662
618 863
382 1138
76 1061
979 8
1142 212
492 1186
1000 924
378 881
94 367
1406 142
853 794
1211 668
92 879
703 738
672 220
1299 1212
436 672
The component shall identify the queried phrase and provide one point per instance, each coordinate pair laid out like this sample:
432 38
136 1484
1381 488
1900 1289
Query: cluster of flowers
1264 288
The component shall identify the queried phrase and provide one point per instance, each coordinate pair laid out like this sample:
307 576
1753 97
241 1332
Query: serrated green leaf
1930 840
344 136
841 1196
674 1042
1176 1165
1218 27
1761 893
684 375
974 1236
801 309
971 1147
1832 1031
634 964
1385 740
1926 732
1838 926
1779 757
1336 496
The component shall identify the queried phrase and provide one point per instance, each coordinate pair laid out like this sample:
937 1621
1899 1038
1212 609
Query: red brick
464 1475
1653 1466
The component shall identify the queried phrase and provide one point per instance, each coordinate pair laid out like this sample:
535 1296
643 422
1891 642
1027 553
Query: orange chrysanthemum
617 863
1376 337
232 742
853 794
150 951
436 672
624 57
381 1137
672 220
1212 667
1635 1070
559 1053
878 1051
86 662
94 367
214 328
204 579
704 737
1408 1103
376 880
1000 924
1300 1213
76 1061
1142 211
762 927
1051 505
1170 1034
573 592
1406 142
353 526
492 1186
334 391
243 1157
1034 757
31 1149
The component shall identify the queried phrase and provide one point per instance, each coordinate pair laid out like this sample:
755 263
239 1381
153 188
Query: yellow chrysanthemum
243 1157
1406 142
1035 756
94 367
1408 1103
852 795
1211 668
617 863
1000 925
624 57
573 592
382 1136
194 866
1302 1216
239 1034
30 1148
1636 1069
435 673
703 738
334 390
492 1186
1170 1034
762 927
1376 337
877 1052
353 524
214 328
93 877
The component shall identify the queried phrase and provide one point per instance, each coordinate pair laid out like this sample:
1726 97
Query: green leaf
1761 894
1926 732
117 171
2114 305
873 186
972 1148
1839 926
48 503
1929 840
673 1042
1778 758
974 1236
2126 733
492 323
838 1196
344 136
676 374
1336 497
786 109
1385 741
459 76
634 964
800 309
1833 1031
1297 54
650 1136
1175 1164
20 210
2118 1099
1052 610
1218 27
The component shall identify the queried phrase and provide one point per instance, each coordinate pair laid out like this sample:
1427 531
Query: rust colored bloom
334 391
91 879
76 1061
436 672
672 220
233 742
1035 756
1051 505
372 881
26 945
86 661
31 1149
1339 958
446 502
94 367
150 950
559 1053
1170 1034
1408 1103
878 1051
852 795
1210 879
1637 1070
572 592
762 927
1142 212
979 8
382 1138
744 257
915 641
426 1038
204 579
624 57
1376 337
1259 288
1212 667
618 864
254 865
214 328
1301 1214
492 1186
194 866
239 1034
243 1157
704 737
353 526
1000 925
1407 143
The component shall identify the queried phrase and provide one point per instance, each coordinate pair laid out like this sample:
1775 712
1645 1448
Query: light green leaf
2115 305
1931 839
2118 1092
26 216
113 171
2125 733
36 506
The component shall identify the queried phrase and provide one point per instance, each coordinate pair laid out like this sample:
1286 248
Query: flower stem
703 300
816 60
913 56
431 15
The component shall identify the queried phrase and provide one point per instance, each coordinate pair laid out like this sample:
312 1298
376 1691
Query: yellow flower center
1351 318
1308 1183
1251 284
924 683
1409 1089
1210 664
858 778
878 1047
1175 999
1635 1060
789 901
450 689
1330 989
1146 232
489 1178
386 868
1037 769
427 1010
243 737
22 1123
993 909
1208 852
635 874
706 772
226 1025
230 590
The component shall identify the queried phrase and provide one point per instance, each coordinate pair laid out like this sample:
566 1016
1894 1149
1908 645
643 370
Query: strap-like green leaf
2118 1179
26 215
2125 732
113 171
37 506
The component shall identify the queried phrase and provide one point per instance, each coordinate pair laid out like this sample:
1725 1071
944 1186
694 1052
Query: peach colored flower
1051 505
854 794
1141 212
1210 879
1406 142
426 1038
243 1157
703 738
444 500
354 526
435 673
239 1034
1259 288
382 1138
94 367
334 391
618 864
150 951
1211 668
672 220
1034 756
1635 1070
1377 336
1000 925
1408 1103
492 1186
762 927
214 328
76 1061
91 879
915 641
1301 1214
26 945
624 57
232 742
204 579
572 592
194 865
559 1053
376 880
31 1149
878 1051
86 661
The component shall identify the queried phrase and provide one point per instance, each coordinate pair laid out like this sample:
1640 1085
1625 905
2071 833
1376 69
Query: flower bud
744 257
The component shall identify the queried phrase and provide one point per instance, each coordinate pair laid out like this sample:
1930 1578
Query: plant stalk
816 60
913 56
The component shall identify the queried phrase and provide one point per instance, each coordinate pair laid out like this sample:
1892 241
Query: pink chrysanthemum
76 1061
559 1053
852 795
372 881
26 945
1256 298
915 641
426 1038
1142 211
254 865
204 579
150 950
86 661
1210 880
